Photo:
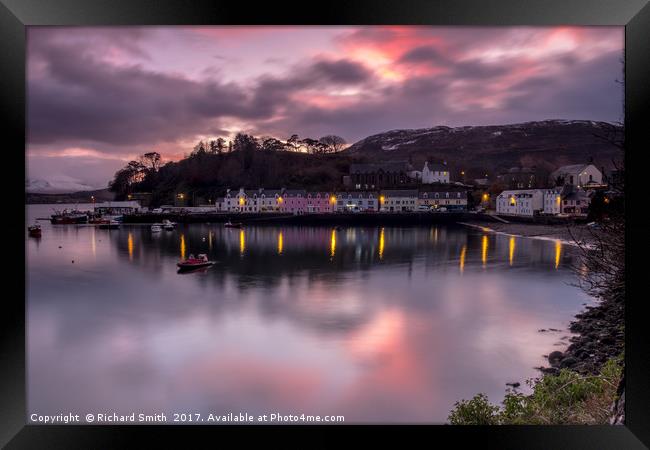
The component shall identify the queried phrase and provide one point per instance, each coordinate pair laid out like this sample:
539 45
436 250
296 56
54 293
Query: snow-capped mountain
549 144
57 184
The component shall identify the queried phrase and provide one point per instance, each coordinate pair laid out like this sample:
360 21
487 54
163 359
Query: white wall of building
552 201
521 202
434 175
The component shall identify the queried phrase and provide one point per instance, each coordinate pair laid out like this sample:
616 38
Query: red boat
98 221
195 263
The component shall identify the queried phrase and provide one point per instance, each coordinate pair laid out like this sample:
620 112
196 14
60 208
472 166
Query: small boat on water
34 230
109 225
195 263
156 228
168 224
229 224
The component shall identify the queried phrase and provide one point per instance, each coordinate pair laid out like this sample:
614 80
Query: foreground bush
565 398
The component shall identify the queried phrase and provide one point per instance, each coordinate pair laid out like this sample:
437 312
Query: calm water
376 324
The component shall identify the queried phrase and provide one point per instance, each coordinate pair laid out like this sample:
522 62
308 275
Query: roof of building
400 192
572 168
294 192
357 194
390 166
516 192
435 187
576 195
434 193
271 192
436 166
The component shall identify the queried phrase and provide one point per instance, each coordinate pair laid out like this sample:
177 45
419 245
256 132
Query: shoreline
597 333
598 337
535 231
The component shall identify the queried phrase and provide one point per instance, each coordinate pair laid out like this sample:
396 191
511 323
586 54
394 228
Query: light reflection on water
377 324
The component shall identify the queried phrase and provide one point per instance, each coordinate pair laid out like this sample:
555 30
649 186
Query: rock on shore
600 337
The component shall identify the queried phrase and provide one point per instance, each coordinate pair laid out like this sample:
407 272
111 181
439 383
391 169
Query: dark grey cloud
590 90
341 71
424 54
81 97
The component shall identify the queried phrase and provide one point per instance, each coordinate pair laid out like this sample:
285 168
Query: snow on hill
57 184
549 144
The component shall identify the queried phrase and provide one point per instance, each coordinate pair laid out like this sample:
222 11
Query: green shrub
565 398
477 411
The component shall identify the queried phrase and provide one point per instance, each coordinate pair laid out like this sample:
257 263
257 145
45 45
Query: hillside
547 144
476 151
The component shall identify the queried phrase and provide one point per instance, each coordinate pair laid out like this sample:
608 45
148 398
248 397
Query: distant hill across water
101 195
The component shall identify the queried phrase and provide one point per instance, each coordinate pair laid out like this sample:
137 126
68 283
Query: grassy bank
565 398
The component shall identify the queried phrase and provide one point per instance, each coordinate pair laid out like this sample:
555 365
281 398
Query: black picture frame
16 15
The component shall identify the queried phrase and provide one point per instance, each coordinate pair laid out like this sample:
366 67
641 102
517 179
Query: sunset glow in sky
98 97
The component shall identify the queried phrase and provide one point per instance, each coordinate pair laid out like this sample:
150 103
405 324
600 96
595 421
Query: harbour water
378 324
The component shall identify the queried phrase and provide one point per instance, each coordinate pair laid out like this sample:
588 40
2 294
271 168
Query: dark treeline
246 161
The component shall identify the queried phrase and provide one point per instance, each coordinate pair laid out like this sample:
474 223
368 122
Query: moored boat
230 224
34 230
66 217
195 263
168 225
156 228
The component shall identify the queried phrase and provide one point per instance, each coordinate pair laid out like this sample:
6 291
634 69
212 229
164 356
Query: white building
521 202
553 201
356 201
431 173
260 200
116 208
398 200
581 175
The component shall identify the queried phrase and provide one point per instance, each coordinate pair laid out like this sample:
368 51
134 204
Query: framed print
416 215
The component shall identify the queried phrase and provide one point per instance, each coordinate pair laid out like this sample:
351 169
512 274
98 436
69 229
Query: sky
100 96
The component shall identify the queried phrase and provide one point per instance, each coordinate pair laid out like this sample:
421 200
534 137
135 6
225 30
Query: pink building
320 202
293 201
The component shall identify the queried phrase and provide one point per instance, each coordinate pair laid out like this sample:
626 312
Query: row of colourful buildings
300 201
